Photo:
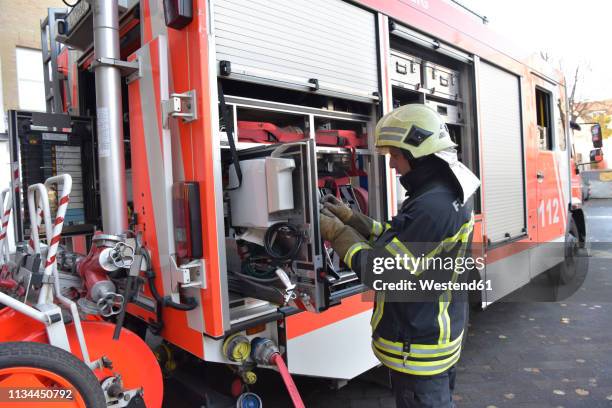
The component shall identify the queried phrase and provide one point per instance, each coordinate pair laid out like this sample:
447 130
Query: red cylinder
95 277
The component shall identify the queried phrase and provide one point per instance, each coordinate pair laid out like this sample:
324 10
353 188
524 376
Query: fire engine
173 185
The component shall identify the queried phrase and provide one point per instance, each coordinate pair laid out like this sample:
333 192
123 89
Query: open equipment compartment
330 153
291 167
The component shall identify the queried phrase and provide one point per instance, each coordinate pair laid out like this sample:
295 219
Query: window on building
30 81
544 121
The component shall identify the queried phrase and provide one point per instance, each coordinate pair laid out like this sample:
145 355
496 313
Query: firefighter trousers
416 391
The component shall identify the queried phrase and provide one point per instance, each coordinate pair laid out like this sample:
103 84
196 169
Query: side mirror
596 155
596 135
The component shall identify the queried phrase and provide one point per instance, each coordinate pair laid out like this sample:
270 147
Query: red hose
8 283
284 372
11 284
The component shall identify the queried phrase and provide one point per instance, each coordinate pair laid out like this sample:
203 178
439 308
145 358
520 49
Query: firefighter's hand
342 237
337 207
331 226
360 222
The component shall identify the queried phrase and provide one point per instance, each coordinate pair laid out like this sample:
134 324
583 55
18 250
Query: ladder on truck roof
50 51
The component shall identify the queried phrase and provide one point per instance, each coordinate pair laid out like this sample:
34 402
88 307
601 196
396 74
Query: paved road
518 354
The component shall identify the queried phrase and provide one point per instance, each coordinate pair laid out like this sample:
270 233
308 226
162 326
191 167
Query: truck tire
566 271
38 364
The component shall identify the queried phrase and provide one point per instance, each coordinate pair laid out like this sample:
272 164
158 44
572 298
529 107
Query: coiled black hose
286 229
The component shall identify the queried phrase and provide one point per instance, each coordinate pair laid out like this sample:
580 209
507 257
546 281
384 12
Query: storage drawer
405 70
442 81
452 114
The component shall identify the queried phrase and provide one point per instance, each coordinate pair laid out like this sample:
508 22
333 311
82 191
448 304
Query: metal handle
401 68
111 304
540 176
38 207
122 255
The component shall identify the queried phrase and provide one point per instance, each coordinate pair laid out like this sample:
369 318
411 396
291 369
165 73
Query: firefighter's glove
331 226
341 237
361 222
337 207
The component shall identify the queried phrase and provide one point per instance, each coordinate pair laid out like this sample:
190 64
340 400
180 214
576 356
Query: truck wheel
39 366
566 271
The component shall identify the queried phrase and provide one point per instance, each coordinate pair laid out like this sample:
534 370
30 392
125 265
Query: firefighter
419 341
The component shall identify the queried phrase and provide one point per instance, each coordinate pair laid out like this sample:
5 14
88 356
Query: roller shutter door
295 41
503 171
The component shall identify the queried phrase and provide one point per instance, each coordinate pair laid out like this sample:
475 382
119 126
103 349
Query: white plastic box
267 188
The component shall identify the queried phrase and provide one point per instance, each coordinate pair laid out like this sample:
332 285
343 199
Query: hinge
180 105
189 275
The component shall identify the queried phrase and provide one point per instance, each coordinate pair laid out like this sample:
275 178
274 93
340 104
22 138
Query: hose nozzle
263 350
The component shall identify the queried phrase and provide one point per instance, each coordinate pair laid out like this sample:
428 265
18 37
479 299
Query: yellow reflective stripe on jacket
427 354
445 298
418 350
377 229
348 258
448 243
461 236
378 311
416 367
396 248
443 318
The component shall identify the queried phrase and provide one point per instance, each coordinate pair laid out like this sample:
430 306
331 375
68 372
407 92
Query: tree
577 108
574 76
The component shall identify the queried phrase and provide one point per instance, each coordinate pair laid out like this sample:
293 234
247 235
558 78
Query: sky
571 32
